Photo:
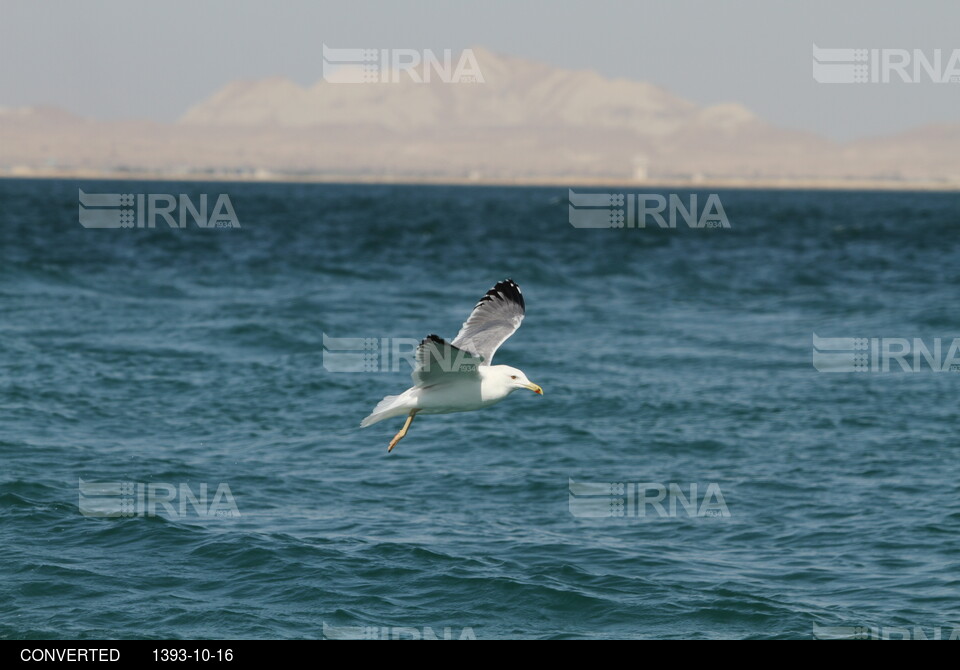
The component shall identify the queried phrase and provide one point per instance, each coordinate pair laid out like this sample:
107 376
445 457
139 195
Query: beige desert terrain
527 123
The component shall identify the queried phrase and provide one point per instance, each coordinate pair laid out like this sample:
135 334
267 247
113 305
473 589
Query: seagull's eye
513 376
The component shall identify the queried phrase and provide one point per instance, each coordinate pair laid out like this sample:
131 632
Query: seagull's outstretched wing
495 318
438 362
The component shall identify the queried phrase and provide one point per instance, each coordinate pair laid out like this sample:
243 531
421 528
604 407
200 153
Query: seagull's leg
403 431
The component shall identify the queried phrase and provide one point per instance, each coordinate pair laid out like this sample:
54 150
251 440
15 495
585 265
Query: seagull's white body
458 377
495 385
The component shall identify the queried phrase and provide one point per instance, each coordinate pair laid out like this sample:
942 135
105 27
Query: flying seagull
458 377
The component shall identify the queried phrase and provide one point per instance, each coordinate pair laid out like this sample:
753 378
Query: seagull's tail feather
389 407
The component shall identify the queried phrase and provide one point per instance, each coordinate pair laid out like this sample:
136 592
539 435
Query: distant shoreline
559 182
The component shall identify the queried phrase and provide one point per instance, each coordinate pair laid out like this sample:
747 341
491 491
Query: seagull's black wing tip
508 290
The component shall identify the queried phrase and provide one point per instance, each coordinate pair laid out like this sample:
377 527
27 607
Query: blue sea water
195 357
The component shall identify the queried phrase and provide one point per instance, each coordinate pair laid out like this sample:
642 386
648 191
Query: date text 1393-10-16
193 654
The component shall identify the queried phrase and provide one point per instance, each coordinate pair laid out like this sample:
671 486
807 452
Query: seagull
459 377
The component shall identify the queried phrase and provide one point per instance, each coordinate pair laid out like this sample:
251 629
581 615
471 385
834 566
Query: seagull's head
513 379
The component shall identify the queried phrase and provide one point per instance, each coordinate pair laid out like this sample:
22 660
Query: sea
748 427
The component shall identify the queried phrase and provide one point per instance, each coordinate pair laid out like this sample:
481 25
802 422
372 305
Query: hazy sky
132 59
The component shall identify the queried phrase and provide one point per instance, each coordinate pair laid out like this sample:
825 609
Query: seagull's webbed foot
403 431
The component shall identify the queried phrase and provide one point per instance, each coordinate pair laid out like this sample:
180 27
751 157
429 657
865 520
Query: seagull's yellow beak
533 387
